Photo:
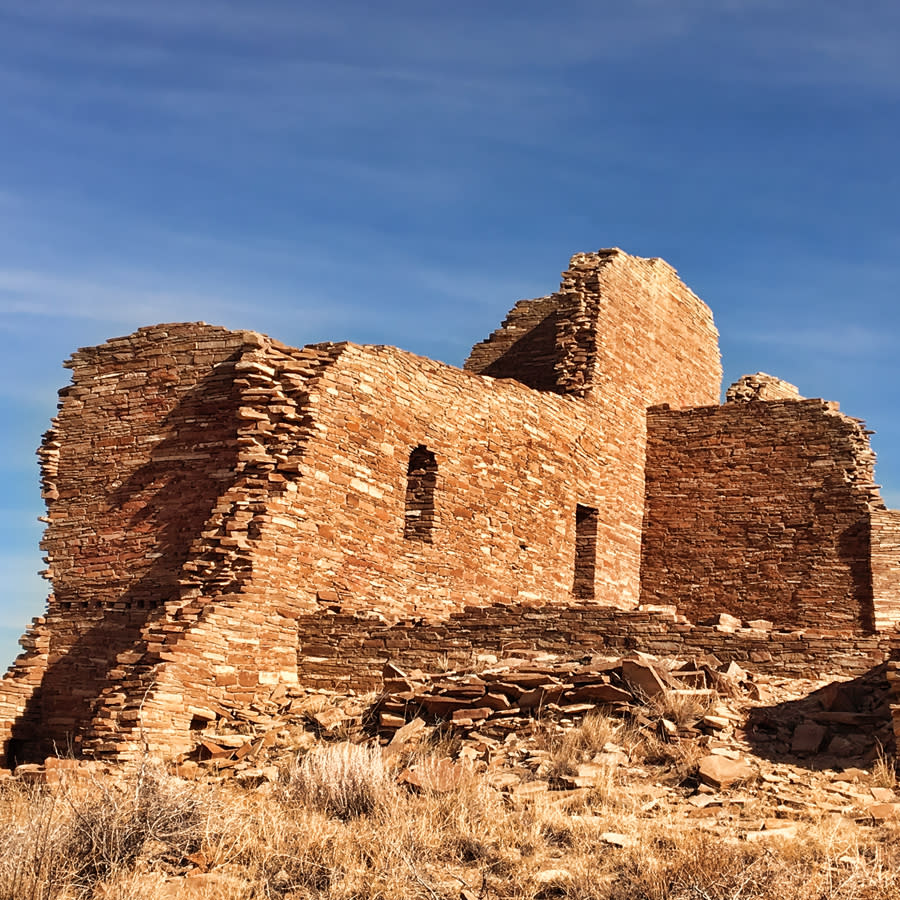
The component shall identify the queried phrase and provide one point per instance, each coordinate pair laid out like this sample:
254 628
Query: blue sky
401 172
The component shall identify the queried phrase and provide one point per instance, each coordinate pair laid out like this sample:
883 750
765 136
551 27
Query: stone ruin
227 515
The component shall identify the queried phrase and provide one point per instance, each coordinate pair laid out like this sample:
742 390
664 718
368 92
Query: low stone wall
350 651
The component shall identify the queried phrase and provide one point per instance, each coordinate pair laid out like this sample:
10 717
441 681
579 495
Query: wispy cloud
115 303
404 30
33 293
823 40
841 340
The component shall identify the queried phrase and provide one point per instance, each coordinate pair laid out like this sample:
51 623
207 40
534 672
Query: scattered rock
529 789
552 882
775 828
438 776
721 773
643 678
879 813
330 719
614 839
808 737
410 733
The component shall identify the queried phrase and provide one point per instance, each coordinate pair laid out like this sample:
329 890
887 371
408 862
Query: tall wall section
233 631
885 553
144 439
622 333
510 465
528 488
764 510
317 517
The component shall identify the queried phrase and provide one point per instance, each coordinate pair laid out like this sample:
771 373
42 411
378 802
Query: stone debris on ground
510 694
762 750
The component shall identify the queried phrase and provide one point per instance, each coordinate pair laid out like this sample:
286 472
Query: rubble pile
737 745
693 740
509 695
841 720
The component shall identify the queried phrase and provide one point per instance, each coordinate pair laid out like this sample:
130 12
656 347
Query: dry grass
680 707
343 779
601 736
338 828
67 841
884 772
32 828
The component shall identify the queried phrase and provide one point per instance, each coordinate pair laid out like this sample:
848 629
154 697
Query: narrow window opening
421 479
585 551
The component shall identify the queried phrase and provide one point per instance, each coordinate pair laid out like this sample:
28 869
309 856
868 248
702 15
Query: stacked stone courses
766 506
228 516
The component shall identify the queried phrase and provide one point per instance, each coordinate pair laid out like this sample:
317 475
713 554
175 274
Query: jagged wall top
615 326
761 386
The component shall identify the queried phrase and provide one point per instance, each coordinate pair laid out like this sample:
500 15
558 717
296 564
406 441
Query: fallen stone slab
409 733
808 737
330 719
721 772
879 813
438 776
615 839
642 677
601 693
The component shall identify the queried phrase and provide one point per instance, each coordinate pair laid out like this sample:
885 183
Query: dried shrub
109 825
343 780
680 707
31 866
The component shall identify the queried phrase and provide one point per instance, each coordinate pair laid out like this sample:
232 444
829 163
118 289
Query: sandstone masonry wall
629 334
234 627
885 556
227 514
524 347
351 650
144 438
761 387
762 510
511 464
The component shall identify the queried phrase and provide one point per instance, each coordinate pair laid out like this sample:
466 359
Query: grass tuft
343 780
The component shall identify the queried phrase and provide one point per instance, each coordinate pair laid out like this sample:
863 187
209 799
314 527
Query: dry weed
67 841
689 864
31 868
111 822
580 744
313 838
681 707
884 772
343 780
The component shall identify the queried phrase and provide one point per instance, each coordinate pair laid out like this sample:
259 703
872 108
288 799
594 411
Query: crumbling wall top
761 386
619 326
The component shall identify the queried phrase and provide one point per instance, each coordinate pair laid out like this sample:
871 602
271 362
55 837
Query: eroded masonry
226 514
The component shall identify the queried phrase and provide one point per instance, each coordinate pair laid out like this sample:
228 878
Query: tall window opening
421 479
585 551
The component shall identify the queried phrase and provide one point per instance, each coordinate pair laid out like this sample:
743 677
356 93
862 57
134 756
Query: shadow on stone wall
855 549
88 640
531 359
